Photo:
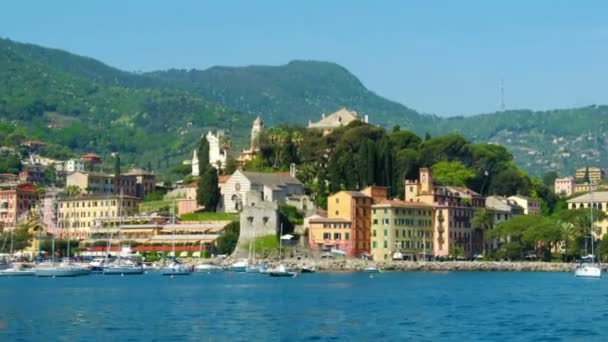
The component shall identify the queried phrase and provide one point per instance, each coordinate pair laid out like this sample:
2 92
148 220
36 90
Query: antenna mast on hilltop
502 95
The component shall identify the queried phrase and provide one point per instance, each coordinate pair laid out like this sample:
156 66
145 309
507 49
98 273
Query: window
374 233
346 236
337 212
385 232
385 244
375 244
337 236
375 221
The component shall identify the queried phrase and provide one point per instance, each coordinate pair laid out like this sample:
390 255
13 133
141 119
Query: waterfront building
454 208
258 218
402 230
503 209
564 186
347 227
272 187
49 210
145 181
340 118
596 174
100 183
530 205
16 203
599 201
77 215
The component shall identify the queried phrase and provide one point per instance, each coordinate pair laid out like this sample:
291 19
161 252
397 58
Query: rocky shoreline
352 265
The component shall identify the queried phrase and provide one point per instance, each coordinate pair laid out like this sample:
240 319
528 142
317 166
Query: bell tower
258 126
426 180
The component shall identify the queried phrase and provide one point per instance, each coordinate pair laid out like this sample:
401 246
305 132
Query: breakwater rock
347 264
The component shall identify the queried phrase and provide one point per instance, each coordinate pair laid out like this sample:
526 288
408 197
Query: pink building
565 186
15 203
49 211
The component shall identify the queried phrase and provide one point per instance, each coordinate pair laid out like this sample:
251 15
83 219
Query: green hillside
296 92
157 117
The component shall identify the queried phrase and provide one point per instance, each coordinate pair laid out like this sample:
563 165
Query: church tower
426 181
195 169
258 126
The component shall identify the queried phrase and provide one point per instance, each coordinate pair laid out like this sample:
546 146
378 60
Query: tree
549 179
231 165
73 190
482 220
452 173
203 156
227 241
208 192
117 166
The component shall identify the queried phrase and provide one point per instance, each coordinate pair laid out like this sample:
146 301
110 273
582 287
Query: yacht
588 268
176 268
282 271
207 268
64 269
239 266
123 267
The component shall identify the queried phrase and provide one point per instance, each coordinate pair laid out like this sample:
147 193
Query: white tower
195 164
258 126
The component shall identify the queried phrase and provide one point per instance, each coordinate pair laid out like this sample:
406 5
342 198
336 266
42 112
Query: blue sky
441 57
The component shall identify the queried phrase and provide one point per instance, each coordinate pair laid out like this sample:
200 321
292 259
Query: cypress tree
208 192
117 165
203 156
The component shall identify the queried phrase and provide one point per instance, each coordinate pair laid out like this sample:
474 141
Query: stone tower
258 126
426 181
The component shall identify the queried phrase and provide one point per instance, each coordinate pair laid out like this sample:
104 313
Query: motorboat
282 271
207 268
371 269
96 265
64 269
239 266
176 268
123 267
308 270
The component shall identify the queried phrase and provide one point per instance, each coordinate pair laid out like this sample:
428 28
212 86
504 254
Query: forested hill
296 92
156 117
540 141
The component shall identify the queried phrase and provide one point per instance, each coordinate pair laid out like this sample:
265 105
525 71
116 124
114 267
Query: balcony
440 229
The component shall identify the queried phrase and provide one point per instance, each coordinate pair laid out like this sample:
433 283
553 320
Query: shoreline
354 265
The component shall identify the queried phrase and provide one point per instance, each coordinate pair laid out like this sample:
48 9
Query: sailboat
588 268
63 269
175 267
281 271
12 269
124 264
253 268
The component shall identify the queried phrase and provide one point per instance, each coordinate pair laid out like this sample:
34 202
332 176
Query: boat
239 266
281 270
64 269
123 267
371 269
588 268
207 268
96 265
18 270
175 268
308 270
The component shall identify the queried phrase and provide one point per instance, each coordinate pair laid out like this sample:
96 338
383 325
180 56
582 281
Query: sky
440 57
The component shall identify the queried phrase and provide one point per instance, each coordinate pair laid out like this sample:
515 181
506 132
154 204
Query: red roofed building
91 158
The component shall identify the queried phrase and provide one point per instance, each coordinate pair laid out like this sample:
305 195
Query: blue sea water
411 306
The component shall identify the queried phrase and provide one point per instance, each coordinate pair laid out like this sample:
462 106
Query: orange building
347 227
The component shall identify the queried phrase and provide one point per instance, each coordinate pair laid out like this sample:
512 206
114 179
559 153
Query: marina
229 306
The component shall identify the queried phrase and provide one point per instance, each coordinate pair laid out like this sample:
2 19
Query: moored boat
207 268
239 266
308 270
176 268
123 267
61 270
282 271
18 270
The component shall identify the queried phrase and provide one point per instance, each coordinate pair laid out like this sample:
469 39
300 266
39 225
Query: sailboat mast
591 219
281 243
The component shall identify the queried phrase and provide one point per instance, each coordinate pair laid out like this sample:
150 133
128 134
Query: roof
270 179
328 220
90 155
223 179
138 172
399 203
352 193
463 191
339 118
596 196
96 197
524 197
94 174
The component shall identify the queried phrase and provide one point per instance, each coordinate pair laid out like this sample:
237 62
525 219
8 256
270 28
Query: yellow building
599 200
77 215
595 174
402 230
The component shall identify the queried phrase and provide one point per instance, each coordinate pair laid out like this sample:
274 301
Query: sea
357 306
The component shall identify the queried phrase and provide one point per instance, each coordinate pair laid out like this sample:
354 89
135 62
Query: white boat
282 271
175 268
207 268
64 269
18 270
123 267
259 268
371 269
239 266
588 268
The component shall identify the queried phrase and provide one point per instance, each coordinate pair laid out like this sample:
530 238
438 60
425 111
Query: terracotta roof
223 179
90 155
399 203
328 220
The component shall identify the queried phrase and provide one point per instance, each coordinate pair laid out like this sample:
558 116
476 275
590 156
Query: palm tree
569 234
482 220
72 190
